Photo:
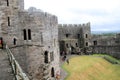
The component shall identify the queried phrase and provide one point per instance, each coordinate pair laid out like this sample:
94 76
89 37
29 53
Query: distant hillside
105 32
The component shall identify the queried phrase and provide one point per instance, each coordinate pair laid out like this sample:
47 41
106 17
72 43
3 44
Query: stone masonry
106 44
73 37
32 37
35 38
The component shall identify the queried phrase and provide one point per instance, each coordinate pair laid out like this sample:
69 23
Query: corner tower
9 11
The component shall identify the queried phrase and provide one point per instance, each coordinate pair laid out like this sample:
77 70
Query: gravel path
63 72
5 68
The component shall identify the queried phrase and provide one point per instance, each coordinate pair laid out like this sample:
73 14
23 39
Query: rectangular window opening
86 36
95 43
76 44
78 35
67 45
67 35
86 43
25 35
46 57
29 34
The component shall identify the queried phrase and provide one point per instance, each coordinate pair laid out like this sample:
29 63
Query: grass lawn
91 68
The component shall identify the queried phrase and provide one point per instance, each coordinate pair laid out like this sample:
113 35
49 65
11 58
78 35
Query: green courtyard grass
91 68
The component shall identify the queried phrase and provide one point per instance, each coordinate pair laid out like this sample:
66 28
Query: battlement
33 10
73 25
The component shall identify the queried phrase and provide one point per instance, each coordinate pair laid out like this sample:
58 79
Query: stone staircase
5 68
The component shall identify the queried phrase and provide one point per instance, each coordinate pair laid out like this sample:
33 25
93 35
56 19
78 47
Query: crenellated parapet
79 32
74 25
40 13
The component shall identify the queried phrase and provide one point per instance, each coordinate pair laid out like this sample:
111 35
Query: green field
91 68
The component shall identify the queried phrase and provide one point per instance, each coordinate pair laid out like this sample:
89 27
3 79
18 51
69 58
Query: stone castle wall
74 30
111 50
9 19
41 32
74 35
44 37
106 44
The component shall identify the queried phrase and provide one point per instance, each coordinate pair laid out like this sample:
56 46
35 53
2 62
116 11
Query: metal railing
17 70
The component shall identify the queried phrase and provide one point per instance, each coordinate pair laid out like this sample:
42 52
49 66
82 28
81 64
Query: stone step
5 68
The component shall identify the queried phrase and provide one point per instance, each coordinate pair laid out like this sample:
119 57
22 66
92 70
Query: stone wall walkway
5 68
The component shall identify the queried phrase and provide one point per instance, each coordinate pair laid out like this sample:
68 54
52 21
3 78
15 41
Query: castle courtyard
91 68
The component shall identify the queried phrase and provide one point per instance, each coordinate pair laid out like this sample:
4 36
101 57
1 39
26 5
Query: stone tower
73 37
32 37
9 17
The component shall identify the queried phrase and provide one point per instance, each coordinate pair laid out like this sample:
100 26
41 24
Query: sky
104 15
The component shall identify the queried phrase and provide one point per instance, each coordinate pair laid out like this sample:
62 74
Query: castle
74 37
32 37
36 39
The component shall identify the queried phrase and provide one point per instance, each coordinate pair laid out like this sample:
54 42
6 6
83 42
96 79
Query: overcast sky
102 14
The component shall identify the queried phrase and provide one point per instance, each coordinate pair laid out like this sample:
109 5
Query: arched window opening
76 44
78 35
86 35
52 72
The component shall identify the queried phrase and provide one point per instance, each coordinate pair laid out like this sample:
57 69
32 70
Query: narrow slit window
8 21
52 56
86 36
41 38
54 42
25 35
29 34
7 2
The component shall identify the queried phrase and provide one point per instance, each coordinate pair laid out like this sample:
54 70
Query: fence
17 70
